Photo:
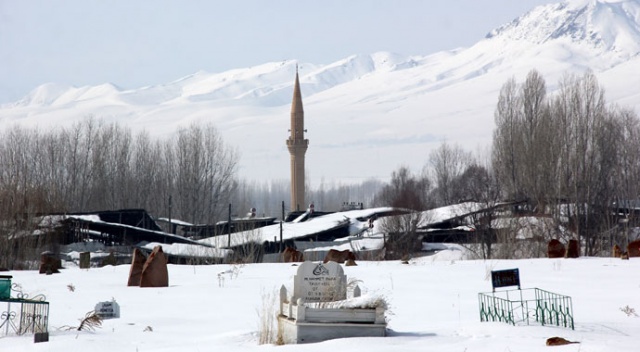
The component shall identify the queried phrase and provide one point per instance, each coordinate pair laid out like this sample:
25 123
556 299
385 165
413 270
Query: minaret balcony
297 142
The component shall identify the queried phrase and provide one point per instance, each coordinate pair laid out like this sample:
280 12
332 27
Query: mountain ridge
392 104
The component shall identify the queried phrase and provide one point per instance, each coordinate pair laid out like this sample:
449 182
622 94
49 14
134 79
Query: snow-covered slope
368 114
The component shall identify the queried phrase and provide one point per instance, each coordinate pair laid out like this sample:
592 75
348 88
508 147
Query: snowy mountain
368 114
610 26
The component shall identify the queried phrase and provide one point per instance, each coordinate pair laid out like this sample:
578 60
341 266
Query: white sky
138 43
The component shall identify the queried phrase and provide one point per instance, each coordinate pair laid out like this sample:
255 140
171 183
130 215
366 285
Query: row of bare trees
569 154
94 165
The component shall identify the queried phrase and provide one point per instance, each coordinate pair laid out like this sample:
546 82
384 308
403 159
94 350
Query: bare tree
506 139
205 170
447 164
404 191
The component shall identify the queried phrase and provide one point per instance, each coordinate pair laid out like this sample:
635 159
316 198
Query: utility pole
229 228
170 224
281 226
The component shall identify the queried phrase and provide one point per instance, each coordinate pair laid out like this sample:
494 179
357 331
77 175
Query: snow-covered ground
433 306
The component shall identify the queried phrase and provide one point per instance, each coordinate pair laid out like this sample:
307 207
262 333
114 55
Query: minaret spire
297 146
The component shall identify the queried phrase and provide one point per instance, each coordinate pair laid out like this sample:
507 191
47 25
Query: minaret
297 146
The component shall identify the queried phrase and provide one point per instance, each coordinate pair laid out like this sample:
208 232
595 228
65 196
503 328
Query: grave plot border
23 314
527 305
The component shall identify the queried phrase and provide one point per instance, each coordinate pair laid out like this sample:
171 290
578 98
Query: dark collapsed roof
125 226
133 226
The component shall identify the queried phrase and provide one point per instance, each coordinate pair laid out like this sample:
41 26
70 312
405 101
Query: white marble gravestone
320 282
304 317
108 310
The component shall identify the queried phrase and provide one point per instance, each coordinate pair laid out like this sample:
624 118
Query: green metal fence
524 306
22 314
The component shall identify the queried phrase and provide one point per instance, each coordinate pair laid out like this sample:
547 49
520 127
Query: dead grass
268 320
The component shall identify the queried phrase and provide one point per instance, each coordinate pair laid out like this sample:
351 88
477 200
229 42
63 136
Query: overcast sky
145 42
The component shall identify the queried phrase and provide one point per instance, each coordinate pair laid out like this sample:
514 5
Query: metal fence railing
22 314
527 305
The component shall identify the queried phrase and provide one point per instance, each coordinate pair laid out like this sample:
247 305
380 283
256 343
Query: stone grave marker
154 272
85 260
49 263
320 282
108 310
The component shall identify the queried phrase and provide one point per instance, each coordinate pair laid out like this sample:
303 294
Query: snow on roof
175 221
292 230
189 250
360 244
54 220
434 216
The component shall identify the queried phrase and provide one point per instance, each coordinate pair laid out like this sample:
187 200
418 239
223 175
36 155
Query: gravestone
85 260
316 312
135 271
49 263
320 282
41 337
633 249
573 250
108 310
555 249
154 272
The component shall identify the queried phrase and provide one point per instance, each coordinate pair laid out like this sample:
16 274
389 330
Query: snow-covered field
433 306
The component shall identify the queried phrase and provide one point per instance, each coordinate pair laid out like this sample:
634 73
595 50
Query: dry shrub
90 322
268 315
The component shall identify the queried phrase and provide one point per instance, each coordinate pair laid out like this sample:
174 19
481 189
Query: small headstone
555 249
40 337
357 292
617 251
49 263
108 310
320 282
85 260
633 249
109 260
573 250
